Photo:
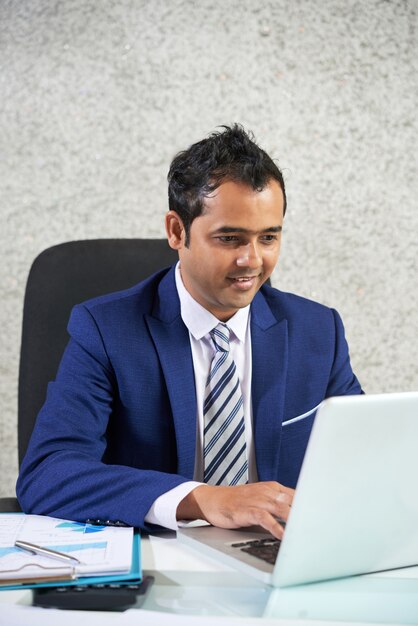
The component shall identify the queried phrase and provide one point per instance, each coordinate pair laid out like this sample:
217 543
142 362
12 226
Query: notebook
104 554
355 509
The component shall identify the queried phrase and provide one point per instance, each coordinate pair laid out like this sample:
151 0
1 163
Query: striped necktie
224 453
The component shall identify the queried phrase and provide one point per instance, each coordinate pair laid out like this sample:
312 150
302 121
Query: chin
242 302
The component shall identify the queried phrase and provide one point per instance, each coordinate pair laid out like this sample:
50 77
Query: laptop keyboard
265 549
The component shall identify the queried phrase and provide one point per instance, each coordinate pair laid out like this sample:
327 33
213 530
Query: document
99 550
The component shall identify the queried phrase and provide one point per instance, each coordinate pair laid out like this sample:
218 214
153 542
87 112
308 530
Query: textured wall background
96 98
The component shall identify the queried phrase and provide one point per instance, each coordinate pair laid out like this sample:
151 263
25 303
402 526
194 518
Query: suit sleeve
63 473
342 380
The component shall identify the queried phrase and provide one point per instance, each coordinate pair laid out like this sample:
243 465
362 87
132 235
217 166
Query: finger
276 489
282 511
270 523
271 493
287 490
276 504
284 498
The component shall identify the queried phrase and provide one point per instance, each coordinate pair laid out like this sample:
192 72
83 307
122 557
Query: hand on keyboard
240 506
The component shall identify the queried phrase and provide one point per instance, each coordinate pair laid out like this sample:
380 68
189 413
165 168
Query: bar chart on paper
99 549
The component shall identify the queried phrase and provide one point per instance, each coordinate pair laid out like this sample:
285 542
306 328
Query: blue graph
80 527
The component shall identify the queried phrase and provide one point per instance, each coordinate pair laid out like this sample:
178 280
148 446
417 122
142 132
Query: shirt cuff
163 510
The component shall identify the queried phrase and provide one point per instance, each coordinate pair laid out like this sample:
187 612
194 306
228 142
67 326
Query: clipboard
134 574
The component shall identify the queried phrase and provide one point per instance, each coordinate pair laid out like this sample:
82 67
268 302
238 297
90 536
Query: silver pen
53 554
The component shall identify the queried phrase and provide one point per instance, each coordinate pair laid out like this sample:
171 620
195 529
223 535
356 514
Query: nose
249 256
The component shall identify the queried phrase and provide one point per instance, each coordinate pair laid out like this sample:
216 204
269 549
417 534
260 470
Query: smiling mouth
242 279
244 282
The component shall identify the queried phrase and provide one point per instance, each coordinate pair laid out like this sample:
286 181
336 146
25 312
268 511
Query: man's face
234 246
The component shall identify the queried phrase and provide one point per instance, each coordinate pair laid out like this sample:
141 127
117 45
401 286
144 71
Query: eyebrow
233 229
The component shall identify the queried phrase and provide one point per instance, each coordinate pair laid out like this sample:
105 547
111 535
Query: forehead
235 203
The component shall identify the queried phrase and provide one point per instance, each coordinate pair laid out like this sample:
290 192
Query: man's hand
243 505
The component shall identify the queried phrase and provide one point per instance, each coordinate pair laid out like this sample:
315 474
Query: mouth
244 283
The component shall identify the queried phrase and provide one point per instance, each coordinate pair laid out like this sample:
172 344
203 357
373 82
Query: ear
175 230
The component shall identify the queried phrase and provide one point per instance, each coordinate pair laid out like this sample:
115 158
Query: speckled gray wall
96 98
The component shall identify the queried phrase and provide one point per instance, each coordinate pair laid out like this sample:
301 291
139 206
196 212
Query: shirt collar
199 321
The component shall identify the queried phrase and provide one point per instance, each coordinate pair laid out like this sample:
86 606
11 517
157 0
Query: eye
228 238
269 238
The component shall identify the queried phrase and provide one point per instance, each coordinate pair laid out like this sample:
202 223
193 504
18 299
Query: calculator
116 596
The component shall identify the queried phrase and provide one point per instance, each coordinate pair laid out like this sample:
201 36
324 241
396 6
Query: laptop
355 509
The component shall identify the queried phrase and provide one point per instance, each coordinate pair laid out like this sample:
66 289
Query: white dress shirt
199 322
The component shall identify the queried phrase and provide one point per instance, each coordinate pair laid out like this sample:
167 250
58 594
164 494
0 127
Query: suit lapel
171 339
269 369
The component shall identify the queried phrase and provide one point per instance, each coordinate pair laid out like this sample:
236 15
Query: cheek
271 258
206 270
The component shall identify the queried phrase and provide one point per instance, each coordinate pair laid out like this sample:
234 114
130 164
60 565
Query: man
193 394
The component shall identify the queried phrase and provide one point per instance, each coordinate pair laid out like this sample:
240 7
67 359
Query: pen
53 554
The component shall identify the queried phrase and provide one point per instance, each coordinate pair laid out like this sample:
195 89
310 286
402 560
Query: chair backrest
61 277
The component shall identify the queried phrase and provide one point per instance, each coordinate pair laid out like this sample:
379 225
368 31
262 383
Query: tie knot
220 337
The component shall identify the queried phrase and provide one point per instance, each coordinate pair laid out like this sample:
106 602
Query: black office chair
61 277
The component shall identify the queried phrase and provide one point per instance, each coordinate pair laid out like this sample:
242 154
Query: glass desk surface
187 583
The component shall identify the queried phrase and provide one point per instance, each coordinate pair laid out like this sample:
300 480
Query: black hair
230 154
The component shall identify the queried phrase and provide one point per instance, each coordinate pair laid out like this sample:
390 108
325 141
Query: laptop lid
355 510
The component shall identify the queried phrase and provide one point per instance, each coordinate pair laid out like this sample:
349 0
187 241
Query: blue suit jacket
119 423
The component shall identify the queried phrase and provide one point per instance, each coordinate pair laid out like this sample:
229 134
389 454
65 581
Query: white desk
188 584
